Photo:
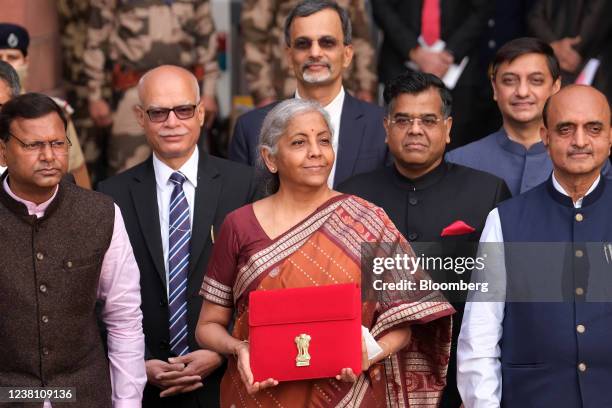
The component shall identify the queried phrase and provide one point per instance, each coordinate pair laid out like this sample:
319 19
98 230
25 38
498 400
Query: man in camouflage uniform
270 76
73 23
128 38
14 42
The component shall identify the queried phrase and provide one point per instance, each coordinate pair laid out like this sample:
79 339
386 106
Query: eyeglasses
326 42
59 147
181 112
427 121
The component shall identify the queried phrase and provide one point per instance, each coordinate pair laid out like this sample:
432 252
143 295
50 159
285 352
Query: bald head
170 113
165 77
571 98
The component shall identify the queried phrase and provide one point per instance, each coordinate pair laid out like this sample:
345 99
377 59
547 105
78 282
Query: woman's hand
347 375
244 368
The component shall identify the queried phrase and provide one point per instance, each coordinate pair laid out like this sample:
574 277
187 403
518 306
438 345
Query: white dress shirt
164 192
479 377
334 110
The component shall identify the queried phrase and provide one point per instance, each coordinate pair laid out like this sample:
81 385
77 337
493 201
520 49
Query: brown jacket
48 280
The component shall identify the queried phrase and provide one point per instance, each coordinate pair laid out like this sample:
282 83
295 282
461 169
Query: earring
273 169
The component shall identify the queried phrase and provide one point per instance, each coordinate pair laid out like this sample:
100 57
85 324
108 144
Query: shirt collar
189 170
33 208
334 105
513 147
578 203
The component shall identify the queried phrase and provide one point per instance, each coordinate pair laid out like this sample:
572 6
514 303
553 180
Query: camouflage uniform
268 72
74 18
135 36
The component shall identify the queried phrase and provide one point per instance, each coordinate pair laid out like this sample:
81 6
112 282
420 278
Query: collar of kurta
566 201
421 183
513 147
20 209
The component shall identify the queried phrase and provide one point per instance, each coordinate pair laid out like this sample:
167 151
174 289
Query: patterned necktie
178 263
430 21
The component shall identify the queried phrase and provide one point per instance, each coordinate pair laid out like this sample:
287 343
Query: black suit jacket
361 144
462 24
222 187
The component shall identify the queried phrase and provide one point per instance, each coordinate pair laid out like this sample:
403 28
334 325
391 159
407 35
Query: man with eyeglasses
174 204
63 250
439 207
14 43
318 38
270 77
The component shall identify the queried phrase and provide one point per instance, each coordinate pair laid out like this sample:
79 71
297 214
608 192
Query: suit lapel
206 197
350 137
144 196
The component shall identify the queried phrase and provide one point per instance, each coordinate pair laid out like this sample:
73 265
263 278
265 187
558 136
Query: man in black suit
206 188
411 27
318 39
440 207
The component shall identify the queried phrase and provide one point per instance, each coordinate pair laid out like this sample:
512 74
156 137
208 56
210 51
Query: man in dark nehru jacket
63 249
545 352
428 199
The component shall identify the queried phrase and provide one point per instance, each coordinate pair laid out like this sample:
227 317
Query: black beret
14 37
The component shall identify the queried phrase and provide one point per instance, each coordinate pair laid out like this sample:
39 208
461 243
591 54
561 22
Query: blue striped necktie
178 263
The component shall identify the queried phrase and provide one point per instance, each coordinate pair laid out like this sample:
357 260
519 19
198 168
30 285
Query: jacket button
40 256
579 253
580 328
579 217
45 319
582 367
45 351
412 236
579 291
413 201
69 264
42 288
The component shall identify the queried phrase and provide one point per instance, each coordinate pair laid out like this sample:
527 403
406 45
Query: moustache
310 63
163 133
580 151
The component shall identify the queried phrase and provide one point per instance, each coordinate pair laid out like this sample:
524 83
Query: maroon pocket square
457 228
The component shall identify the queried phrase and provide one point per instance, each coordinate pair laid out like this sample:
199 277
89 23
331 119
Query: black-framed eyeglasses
427 121
57 146
161 114
327 42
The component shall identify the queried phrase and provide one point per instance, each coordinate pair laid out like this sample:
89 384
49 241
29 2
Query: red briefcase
304 333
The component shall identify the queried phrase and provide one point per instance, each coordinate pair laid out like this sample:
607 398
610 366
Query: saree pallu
325 249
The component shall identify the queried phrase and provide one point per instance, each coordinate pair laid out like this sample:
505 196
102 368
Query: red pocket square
457 228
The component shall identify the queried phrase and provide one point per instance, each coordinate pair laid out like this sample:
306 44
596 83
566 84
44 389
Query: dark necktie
178 263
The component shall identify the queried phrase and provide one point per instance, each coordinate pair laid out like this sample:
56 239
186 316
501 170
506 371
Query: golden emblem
303 358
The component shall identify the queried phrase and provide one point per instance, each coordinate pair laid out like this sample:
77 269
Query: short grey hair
275 126
10 77
308 7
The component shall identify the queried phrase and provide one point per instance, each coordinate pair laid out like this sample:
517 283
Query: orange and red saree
325 249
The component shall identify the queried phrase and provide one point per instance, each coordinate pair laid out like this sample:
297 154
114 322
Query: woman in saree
306 234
